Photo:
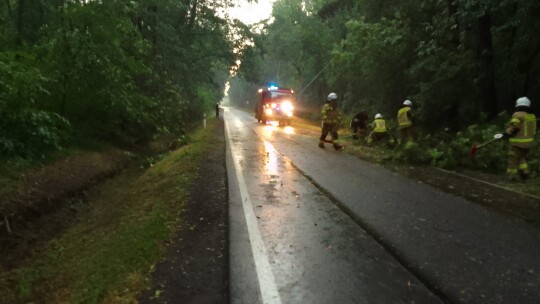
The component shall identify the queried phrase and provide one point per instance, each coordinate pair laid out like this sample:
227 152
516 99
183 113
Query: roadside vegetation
121 228
76 74
462 63
87 77
452 152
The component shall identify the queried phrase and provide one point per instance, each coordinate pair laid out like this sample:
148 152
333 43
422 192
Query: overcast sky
252 13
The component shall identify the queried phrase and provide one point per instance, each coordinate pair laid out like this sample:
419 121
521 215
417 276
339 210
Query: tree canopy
460 61
119 71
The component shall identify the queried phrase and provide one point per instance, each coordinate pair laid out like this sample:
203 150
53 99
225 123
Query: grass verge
108 255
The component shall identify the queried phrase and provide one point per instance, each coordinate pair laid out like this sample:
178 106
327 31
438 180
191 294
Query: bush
413 153
32 132
26 128
448 151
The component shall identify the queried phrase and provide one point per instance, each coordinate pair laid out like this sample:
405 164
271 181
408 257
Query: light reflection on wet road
316 252
321 253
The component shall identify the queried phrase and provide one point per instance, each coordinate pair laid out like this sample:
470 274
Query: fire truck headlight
268 111
287 108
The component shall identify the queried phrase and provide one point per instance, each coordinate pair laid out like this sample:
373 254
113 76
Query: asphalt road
311 225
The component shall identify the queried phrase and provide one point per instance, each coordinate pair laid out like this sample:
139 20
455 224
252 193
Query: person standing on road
331 118
379 131
404 118
520 132
217 109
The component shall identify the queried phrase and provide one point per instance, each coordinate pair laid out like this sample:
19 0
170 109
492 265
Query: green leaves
25 128
118 71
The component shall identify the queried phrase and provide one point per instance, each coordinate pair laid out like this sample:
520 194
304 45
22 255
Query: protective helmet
378 115
523 102
331 96
407 103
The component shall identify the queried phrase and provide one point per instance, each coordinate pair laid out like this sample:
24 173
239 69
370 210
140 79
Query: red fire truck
275 104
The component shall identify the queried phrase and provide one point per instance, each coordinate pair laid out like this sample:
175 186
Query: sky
250 13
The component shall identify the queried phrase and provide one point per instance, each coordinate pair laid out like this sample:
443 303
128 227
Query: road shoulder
195 266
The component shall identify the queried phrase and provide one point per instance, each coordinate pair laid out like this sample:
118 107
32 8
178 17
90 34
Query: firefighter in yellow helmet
379 131
331 118
520 132
404 119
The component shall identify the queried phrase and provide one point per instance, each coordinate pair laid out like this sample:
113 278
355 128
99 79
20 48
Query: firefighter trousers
328 128
517 161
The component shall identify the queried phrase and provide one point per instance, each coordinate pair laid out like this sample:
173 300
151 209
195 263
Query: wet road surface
309 225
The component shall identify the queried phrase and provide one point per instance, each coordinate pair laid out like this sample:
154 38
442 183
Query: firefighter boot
321 144
338 147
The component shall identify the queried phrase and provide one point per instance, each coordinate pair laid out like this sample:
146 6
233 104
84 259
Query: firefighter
359 125
520 132
331 118
379 131
404 119
217 109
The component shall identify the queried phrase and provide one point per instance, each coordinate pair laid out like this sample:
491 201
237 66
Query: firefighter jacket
359 121
404 117
522 129
330 114
379 126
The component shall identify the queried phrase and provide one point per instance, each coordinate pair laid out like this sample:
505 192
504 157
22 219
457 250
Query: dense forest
461 62
73 72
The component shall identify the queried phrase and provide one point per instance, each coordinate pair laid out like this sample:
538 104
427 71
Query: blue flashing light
272 86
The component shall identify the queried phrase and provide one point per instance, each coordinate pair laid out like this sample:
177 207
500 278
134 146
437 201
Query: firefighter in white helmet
405 123
379 131
331 118
520 132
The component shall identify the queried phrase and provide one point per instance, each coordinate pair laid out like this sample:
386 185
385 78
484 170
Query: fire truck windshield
280 95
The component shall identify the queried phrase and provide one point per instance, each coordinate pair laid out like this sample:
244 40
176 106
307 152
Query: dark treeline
118 71
461 62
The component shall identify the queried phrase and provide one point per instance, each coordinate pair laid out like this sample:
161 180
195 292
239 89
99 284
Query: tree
117 71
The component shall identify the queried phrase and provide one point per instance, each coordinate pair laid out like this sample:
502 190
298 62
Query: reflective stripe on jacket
523 127
403 117
379 126
324 109
330 115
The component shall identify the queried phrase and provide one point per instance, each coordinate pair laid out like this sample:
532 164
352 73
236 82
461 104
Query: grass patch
107 257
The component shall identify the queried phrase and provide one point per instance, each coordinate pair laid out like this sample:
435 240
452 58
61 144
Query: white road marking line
267 282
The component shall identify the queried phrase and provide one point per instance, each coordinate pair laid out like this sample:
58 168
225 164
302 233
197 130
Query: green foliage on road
107 256
118 71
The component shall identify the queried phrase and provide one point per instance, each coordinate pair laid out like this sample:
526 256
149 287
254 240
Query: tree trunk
9 8
153 34
453 9
20 21
528 66
183 13
485 52
8 227
193 14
